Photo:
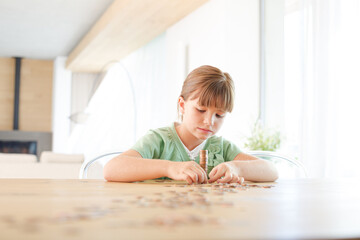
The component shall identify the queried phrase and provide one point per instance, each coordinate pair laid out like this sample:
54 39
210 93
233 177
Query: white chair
288 167
93 168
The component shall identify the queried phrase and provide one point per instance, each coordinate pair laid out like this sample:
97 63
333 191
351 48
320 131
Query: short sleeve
150 145
230 150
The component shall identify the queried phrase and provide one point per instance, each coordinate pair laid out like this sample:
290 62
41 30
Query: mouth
205 130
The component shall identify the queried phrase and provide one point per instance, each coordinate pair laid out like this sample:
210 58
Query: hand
228 171
186 171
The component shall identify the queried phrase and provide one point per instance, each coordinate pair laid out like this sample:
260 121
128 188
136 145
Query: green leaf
263 139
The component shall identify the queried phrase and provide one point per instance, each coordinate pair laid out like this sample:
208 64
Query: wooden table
95 209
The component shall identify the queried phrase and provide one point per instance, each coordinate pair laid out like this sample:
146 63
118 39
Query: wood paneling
124 27
36 95
7 85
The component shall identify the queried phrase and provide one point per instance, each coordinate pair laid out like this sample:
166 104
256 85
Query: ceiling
45 29
91 33
123 28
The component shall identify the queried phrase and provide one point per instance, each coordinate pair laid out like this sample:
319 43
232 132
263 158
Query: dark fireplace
28 147
25 142
17 141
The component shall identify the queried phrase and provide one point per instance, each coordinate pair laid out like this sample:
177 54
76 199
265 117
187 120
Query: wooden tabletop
95 209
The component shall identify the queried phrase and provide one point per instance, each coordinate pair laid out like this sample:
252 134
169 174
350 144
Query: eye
220 116
201 110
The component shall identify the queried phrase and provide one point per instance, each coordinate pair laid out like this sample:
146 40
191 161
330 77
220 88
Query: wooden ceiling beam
124 27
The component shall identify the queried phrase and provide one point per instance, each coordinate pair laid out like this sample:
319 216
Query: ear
181 103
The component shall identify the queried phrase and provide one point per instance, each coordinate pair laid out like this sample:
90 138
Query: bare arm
246 166
255 169
130 166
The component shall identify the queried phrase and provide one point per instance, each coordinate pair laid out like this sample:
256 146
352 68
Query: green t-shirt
164 143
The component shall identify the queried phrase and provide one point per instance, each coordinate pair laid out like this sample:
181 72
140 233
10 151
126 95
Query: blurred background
88 77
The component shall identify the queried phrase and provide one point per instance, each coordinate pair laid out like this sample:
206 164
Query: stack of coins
204 160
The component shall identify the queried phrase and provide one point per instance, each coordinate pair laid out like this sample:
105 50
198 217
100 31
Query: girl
207 96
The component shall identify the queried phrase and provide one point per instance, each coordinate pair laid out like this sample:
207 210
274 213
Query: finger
188 179
235 179
201 173
213 172
241 180
227 178
193 176
219 173
211 178
203 178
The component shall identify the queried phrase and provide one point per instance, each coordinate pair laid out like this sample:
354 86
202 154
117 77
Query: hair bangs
217 94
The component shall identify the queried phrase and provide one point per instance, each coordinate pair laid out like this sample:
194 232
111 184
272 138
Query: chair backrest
288 167
93 169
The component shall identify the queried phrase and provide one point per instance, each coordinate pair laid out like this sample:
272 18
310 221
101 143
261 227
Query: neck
189 140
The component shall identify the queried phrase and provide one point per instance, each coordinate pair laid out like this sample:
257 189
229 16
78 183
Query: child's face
202 122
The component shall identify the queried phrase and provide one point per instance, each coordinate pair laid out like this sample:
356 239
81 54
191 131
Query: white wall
274 64
147 68
61 105
225 34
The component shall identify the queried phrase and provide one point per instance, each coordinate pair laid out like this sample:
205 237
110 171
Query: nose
209 119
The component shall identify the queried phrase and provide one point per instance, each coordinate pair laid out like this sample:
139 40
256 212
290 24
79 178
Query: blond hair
212 86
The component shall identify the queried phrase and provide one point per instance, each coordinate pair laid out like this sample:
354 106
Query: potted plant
263 138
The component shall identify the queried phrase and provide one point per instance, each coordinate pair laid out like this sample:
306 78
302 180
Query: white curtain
111 117
129 101
322 58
